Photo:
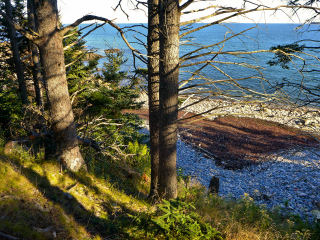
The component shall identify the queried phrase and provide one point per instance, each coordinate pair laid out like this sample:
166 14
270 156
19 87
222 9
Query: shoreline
304 118
285 180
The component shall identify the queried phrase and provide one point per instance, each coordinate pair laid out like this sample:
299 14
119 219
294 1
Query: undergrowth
39 200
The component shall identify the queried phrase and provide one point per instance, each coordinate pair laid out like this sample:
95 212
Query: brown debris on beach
235 142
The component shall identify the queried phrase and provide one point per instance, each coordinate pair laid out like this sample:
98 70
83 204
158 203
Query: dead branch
185 5
135 52
7 236
18 27
200 10
80 39
217 13
215 44
238 13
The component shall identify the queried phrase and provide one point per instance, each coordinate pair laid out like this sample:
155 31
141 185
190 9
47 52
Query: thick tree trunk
52 57
16 55
153 92
169 84
35 58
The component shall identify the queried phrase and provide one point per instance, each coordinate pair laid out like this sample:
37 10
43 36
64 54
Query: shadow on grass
114 224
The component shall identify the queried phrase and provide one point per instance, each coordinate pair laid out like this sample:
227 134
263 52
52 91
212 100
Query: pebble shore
289 180
306 119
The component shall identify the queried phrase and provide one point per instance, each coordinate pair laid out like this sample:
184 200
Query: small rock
316 214
267 196
66 218
290 208
256 194
299 206
302 194
68 195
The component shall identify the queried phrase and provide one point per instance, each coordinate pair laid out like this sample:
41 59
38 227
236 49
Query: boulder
14 145
8 148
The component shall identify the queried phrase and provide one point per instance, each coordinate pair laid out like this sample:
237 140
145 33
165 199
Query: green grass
38 200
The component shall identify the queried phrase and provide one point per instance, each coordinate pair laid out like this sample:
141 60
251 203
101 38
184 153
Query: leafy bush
139 156
178 220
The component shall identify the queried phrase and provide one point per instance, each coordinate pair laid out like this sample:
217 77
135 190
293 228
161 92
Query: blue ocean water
251 70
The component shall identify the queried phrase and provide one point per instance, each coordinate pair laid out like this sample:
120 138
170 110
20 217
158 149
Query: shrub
178 220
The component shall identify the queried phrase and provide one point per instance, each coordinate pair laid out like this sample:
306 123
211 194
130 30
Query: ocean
229 73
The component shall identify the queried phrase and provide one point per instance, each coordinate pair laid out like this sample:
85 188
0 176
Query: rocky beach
286 179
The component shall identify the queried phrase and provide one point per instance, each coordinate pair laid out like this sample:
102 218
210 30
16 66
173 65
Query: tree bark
153 92
52 58
16 55
35 58
169 84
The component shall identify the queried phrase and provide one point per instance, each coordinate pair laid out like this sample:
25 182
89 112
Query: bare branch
217 81
185 5
80 39
218 12
119 5
199 10
89 143
17 27
238 13
135 52
184 57
7 236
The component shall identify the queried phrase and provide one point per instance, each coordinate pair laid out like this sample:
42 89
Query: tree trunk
169 84
16 55
36 59
153 92
52 58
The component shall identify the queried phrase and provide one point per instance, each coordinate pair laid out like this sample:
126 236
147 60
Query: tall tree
16 55
35 57
153 91
50 45
169 85
48 38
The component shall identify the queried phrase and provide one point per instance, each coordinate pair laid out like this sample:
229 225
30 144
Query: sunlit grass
40 200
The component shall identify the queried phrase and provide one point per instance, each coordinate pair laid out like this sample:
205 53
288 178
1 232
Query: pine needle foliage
282 56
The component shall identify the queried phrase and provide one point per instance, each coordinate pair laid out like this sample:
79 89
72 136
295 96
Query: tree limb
89 143
110 22
17 27
185 5
199 10
7 236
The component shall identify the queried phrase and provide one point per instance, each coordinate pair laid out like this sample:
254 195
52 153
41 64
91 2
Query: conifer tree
9 33
153 92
